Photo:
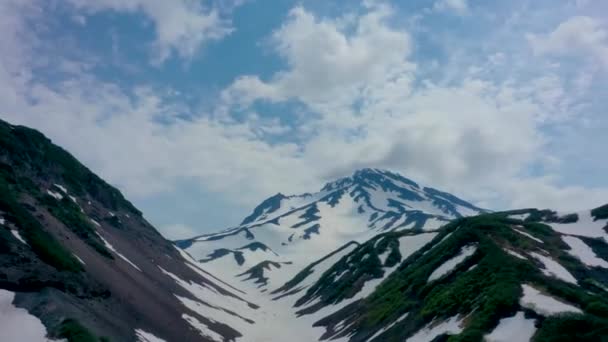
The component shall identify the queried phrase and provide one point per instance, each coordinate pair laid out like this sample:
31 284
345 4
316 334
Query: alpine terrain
370 257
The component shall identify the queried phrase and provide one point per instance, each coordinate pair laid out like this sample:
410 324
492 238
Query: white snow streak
579 249
203 329
515 254
449 265
55 195
404 316
110 247
143 336
553 269
528 235
18 236
543 304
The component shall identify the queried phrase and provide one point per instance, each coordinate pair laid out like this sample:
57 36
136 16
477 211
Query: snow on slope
583 252
586 225
553 269
513 329
297 230
449 265
544 304
143 336
17 324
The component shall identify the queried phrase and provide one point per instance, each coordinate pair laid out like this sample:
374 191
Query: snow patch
579 249
410 244
143 336
543 304
513 329
110 247
434 329
18 324
388 326
61 187
528 235
448 266
78 258
585 226
55 195
2 221
515 254
553 269
203 329
18 236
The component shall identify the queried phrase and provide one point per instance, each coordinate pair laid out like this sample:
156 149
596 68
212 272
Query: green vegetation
572 327
36 157
46 247
483 294
73 331
600 213
68 212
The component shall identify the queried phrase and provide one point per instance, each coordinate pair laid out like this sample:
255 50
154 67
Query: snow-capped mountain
372 257
286 233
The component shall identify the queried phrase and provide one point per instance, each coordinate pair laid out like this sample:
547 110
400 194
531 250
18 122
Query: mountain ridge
371 257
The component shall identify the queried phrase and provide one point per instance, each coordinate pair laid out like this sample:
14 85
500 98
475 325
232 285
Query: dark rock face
89 254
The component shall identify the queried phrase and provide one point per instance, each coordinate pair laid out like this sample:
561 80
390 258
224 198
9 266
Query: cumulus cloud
365 105
329 68
579 36
182 26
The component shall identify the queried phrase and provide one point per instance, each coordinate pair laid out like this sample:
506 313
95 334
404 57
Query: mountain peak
371 177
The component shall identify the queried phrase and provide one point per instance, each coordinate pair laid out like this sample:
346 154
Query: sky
198 110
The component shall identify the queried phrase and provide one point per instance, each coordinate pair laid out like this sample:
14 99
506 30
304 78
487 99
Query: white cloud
579 36
460 7
182 26
329 68
365 106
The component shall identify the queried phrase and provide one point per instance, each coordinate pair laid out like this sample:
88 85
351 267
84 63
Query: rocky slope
80 258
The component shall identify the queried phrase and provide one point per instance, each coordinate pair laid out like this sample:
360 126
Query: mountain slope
80 258
545 273
293 231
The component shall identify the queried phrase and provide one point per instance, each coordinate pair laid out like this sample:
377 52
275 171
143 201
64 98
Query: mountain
286 233
79 262
371 257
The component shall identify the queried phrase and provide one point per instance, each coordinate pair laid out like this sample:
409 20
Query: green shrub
600 213
73 331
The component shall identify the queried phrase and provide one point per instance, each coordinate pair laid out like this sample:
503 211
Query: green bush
73 331
572 327
600 213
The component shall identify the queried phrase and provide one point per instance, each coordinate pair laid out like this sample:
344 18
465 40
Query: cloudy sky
198 110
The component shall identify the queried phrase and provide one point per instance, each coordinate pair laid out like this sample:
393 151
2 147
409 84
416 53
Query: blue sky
198 110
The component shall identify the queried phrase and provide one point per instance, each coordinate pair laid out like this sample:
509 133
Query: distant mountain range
370 257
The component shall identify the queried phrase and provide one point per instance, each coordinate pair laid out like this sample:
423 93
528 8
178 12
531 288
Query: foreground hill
80 258
514 276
